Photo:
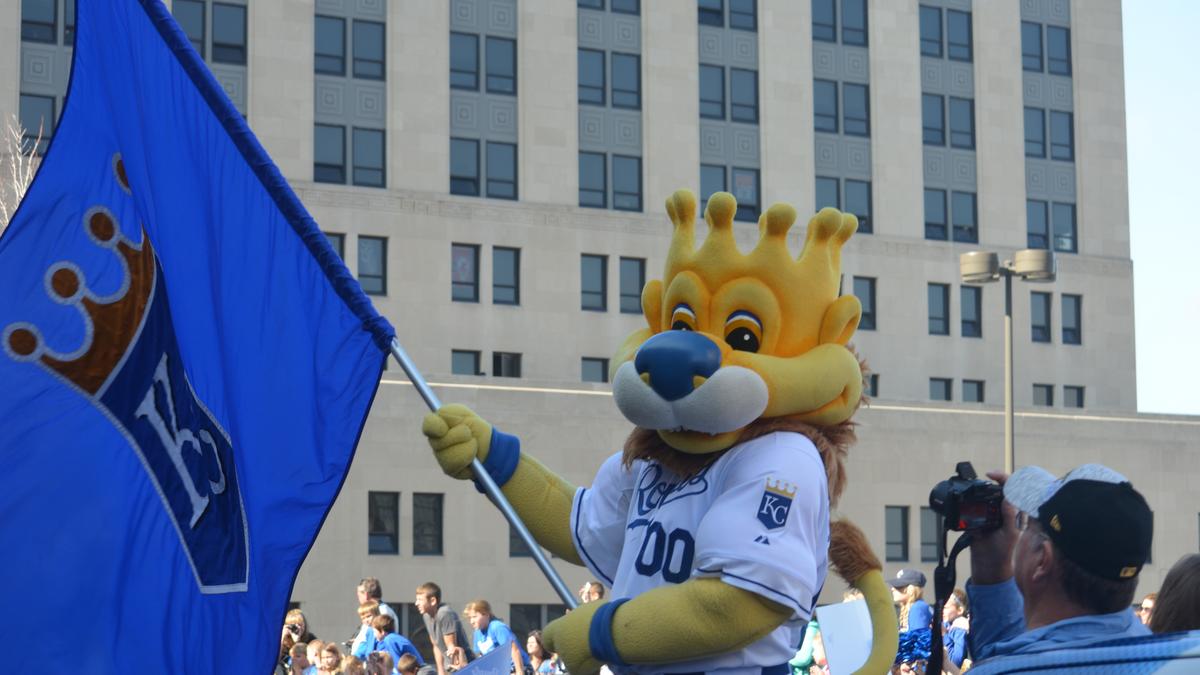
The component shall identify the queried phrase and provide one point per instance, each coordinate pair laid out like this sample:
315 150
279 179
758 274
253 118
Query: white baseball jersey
757 519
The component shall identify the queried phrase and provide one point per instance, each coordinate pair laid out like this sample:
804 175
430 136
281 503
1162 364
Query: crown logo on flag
781 488
112 322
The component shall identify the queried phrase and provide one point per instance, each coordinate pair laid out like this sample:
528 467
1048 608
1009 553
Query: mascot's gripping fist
712 526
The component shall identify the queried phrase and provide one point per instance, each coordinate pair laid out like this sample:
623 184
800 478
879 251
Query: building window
464 61
383 522
190 16
464 272
427 523
464 362
1031 46
69 23
626 81
39 20
828 193
712 180
931 31
330 46
621 7
745 191
329 153
939 309
1058 50
1072 397
963 215
1035 132
506 275
864 290
464 167
1037 233
872 385
591 4
1062 136
972 320
229 33
372 264
526 618
962 123
958 35
516 545
712 92
627 183
1064 227
593 183
854 22
940 388
1039 315
825 106
501 170
501 66
1072 319
594 370
824 20
743 15
369 50
1043 395
591 76
931 532
895 525
858 202
338 243
935 214
593 282
633 278
856 116
711 13
37 121
743 95
933 120
506 364
972 391
368 157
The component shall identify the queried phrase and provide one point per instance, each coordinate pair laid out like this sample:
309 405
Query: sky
1162 108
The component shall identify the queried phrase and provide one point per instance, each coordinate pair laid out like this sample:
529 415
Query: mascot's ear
652 304
841 320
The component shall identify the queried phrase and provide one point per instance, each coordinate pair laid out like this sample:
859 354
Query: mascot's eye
683 318
743 331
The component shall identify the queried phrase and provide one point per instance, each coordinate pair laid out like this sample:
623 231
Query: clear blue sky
1162 107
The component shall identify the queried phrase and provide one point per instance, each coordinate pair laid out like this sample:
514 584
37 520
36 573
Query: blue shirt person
491 633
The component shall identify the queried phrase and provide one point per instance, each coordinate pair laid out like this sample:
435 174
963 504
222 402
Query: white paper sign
846 634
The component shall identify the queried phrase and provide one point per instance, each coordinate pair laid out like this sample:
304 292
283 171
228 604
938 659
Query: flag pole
489 485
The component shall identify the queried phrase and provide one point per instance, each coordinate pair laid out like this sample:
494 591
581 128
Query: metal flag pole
489 485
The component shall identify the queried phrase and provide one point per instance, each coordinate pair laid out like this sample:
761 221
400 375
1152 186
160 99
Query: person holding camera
295 631
1062 569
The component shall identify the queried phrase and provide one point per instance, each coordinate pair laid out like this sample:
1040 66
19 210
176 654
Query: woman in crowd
955 627
915 618
542 661
491 633
1177 606
295 630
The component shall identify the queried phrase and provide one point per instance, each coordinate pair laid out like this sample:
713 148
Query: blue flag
185 369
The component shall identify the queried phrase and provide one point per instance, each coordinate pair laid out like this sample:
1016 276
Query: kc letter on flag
185 369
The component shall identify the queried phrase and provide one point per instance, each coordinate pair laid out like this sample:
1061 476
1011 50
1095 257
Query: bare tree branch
20 162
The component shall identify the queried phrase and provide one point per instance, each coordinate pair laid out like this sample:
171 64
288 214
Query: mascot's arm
539 496
706 617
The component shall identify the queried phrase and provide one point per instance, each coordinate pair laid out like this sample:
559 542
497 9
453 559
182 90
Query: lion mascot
712 526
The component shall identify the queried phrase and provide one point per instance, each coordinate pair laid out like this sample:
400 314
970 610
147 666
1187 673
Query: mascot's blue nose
675 357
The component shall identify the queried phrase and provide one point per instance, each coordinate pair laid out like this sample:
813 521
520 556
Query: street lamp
982 267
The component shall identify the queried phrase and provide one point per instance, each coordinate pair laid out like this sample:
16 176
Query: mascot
712 526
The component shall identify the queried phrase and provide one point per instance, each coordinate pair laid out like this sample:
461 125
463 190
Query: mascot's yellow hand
457 436
568 637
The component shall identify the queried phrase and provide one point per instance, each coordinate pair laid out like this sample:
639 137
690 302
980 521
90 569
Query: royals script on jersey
757 518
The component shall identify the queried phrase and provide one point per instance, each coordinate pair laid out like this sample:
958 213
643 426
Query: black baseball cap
905 578
1092 514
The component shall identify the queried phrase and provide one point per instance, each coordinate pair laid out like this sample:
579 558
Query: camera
294 629
967 503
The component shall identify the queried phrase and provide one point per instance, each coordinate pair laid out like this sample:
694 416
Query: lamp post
982 267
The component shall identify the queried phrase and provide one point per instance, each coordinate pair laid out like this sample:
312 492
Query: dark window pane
745 190
368 50
935 214
712 179
37 120
627 183
1037 224
368 157
464 272
228 33
383 518
38 20
933 120
711 13
858 202
464 167
962 123
1064 227
591 4
594 370
828 193
501 170
895 526
963 215
824 20
1035 132
1072 397
329 154
593 282
331 46
958 35
931 528
427 524
190 16
1031 46
972 317
593 186
372 265
506 364
856 120
506 275
864 290
626 81
972 391
1062 136
338 242
501 65
1058 50
625 6
939 309
941 389
1039 314
1043 394
591 76
743 95
633 277
931 31
742 15
825 106
872 386
518 549
464 61
69 22
1072 319
712 92
464 362
854 22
